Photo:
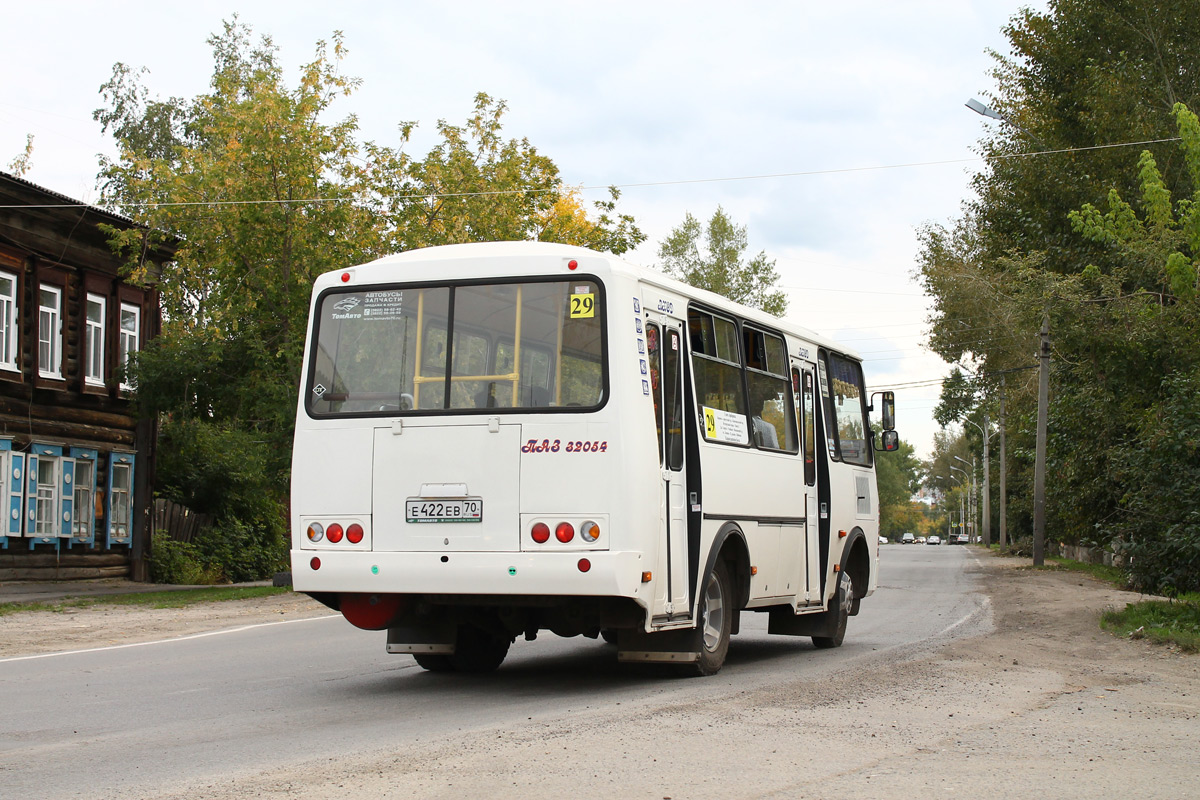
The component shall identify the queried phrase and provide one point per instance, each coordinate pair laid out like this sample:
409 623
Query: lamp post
950 514
965 485
974 503
987 482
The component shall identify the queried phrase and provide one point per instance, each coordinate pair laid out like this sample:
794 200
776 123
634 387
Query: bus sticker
583 306
725 426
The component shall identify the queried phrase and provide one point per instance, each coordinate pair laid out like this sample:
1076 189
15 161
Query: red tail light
334 533
584 565
315 563
354 534
540 533
565 532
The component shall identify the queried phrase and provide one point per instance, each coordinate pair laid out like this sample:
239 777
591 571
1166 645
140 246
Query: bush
241 551
178 563
225 472
1160 530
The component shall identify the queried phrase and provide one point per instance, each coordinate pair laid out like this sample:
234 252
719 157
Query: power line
426 196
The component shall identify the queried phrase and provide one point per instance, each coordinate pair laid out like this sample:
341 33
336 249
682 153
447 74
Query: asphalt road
131 720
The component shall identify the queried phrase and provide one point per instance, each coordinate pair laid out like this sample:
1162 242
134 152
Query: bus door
664 350
804 391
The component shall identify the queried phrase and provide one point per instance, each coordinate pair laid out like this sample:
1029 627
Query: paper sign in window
583 306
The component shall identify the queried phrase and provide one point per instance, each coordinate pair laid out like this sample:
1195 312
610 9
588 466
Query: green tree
20 165
897 475
263 190
719 264
1053 233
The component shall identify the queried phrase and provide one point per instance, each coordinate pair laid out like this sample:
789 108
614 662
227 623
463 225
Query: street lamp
965 486
980 108
974 505
950 514
987 482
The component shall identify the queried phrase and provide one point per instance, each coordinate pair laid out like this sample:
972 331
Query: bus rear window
389 350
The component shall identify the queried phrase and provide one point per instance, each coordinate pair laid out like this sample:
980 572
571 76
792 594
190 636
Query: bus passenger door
804 391
664 344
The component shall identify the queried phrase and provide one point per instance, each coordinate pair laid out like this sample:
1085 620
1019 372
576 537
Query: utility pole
1003 474
987 485
1039 465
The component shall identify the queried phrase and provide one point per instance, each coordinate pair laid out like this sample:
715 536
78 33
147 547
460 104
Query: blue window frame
83 526
119 503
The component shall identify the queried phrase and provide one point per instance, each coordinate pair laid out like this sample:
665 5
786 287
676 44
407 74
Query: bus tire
844 600
476 650
434 662
609 635
716 621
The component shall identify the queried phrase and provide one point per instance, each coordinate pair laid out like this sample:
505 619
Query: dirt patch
45 631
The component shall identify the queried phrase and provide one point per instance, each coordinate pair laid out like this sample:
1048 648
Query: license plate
456 509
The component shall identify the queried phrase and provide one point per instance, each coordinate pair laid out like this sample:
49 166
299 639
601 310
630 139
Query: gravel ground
1045 705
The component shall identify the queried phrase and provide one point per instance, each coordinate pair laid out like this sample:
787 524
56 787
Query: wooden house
77 465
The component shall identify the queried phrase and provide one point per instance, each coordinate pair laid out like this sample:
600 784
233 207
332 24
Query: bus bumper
608 574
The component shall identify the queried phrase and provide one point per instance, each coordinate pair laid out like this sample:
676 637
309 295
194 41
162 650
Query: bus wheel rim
714 614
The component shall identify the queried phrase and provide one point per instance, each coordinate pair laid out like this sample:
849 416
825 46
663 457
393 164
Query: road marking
165 641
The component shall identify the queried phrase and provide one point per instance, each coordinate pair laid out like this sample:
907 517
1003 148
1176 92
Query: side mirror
889 411
890 441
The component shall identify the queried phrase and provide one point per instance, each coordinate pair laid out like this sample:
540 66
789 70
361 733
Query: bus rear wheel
477 650
716 622
843 603
434 662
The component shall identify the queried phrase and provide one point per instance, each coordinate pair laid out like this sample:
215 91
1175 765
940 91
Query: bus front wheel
716 621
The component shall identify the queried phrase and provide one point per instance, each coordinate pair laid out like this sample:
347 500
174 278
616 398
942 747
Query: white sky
615 93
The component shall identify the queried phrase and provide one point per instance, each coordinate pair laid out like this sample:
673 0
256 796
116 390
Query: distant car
934 540
907 538
920 540
883 540
962 538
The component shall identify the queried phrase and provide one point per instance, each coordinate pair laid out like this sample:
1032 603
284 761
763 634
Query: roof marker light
345 277
572 264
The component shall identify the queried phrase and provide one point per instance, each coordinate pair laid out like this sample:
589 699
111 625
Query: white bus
494 440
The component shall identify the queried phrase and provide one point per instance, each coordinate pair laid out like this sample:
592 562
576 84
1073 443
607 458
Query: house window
8 321
85 482
94 341
131 323
50 332
47 497
120 497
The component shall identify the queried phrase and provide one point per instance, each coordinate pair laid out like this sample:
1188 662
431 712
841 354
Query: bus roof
381 270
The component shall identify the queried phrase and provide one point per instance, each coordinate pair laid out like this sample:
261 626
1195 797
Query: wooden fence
178 521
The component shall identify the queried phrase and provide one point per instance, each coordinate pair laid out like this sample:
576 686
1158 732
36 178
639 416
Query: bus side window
653 356
808 410
673 399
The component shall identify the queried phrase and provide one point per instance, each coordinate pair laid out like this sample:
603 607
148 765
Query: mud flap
669 647
434 639
783 622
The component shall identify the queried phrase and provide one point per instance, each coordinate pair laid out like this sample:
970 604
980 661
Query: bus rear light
315 532
584 565
354 534
565 532
334 533
589 531
315 563
540 533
